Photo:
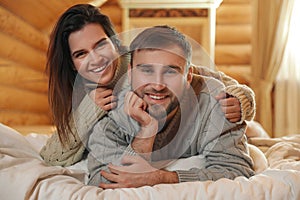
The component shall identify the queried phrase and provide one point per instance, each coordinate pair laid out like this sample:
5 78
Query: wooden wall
233 36
23 84
233 39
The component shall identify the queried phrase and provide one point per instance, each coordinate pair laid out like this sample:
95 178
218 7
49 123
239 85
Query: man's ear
189 76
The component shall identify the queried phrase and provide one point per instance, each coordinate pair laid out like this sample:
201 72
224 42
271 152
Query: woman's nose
94 57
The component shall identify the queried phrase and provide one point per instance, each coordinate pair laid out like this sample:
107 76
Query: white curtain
287 86
270 32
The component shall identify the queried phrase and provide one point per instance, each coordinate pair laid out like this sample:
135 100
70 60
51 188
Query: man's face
159 77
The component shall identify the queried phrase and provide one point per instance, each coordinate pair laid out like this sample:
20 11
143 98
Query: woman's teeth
99 69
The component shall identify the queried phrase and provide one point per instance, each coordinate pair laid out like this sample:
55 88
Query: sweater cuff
246 98
186 176
129 151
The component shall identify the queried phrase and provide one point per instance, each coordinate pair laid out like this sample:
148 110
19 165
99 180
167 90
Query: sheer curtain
287 86
270 32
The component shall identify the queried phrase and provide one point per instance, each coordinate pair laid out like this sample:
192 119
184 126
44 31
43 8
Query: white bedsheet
23 175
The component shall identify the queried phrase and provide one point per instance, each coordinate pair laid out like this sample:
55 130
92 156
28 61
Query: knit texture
88 113
199 128
243 93
83 120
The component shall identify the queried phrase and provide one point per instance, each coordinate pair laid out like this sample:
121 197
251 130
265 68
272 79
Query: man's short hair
161 37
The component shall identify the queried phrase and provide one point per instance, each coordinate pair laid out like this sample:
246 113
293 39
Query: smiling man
170 113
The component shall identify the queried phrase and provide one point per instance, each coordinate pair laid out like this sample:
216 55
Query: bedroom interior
255 48
25 28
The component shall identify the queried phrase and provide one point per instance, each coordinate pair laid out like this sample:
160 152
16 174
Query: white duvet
23 175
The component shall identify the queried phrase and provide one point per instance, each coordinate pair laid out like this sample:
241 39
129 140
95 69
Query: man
169 114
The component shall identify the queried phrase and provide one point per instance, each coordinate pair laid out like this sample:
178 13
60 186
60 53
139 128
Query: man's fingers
113 177
109 185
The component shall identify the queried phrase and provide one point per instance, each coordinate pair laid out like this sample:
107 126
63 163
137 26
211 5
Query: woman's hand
230 106
104 98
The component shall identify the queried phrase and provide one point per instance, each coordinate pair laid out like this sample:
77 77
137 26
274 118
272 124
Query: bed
24 175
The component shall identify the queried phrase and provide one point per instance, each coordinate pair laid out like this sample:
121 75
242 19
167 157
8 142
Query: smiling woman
93 54
82 52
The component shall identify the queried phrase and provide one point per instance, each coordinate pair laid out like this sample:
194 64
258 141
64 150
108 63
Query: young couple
169 111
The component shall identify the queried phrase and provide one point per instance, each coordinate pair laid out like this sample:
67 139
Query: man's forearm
143 146
167 177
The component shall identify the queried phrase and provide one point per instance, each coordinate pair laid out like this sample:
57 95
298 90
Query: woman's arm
243 93
83 120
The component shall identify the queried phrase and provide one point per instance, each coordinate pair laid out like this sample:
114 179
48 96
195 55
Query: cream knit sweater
88 113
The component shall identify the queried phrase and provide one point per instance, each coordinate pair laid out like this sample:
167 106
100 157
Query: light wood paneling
233 39
233 54
114 12
234 14
12 117
23 100
233 34
18 51
24 31
16 27
13 74
236 2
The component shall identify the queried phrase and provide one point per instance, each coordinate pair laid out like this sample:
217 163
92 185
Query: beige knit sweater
88 113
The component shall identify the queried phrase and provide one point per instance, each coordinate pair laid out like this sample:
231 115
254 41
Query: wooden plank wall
23 84
233 36
233 39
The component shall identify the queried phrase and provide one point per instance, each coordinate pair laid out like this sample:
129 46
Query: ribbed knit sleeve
246 97
243 93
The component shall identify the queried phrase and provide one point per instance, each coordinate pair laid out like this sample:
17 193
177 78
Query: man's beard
159 112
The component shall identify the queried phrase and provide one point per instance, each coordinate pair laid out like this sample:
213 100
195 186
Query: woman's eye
101 44
79 55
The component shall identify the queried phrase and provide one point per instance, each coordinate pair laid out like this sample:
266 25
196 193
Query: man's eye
171 71
147 71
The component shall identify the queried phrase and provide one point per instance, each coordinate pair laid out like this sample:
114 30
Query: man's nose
159 84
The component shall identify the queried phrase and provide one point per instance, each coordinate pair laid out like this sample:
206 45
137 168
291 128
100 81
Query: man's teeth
156 97
99 69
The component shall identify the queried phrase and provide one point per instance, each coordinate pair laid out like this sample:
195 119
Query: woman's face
93 54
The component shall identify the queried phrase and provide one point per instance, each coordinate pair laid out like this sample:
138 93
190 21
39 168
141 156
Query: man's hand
103 98
137 172
230 106
136 107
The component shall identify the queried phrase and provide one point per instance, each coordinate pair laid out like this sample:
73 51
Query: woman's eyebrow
97 43
100 41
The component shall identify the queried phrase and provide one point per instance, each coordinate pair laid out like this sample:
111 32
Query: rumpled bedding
24 175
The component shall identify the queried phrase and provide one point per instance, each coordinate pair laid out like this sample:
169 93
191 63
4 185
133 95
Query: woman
85 62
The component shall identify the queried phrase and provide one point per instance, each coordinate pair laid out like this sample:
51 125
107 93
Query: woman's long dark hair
60 67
